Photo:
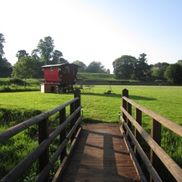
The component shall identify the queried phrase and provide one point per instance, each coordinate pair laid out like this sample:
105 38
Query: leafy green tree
46 49
57 55
82 67
5 66
124 67
141 68
35 54
179 62
62 61
2 41
174 73
108 71
95 67
27 67
21 53
158 70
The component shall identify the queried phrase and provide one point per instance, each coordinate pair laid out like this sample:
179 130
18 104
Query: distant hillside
101 79
95 76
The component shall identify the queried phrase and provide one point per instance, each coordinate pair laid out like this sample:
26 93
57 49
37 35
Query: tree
95 67
141 68
27 67
174 73
21 53
108 71
46 47
62 61
2 41
5 66
82 67
124 67
57 55
158 70
179 62
35 54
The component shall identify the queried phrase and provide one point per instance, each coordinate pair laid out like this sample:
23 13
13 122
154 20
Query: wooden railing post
124 103
62 118
156 135
129 109
73 107
43 134
78 103
136 133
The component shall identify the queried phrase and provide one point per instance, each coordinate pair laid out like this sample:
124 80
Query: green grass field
97 106
165 100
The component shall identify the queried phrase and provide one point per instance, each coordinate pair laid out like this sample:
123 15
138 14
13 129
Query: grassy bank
18 85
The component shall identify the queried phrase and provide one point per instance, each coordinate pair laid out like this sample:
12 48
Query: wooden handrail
164 121
144 157
50 165
27 162
45 139
170 164
4 136
153 140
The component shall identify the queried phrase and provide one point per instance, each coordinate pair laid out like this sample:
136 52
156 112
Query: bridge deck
100 155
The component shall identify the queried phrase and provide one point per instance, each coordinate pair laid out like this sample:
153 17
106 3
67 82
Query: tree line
129 67
125 67
29 65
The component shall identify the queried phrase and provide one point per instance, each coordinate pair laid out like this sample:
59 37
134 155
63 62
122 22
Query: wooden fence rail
67 130
133 130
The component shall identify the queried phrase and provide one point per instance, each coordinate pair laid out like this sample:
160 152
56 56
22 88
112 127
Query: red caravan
59 77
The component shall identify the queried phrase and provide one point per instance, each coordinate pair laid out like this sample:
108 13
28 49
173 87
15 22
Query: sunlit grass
97 105
165 100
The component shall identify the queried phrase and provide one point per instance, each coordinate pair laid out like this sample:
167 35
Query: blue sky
95 30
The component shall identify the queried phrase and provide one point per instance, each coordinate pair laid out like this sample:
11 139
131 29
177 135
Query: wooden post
72 109
62 118
43 134
129 109
136 133
78 103
124 103
125 92
156 135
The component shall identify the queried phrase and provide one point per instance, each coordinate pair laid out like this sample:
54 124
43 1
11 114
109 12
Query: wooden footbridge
98 151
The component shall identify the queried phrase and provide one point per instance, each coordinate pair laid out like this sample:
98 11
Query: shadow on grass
135 97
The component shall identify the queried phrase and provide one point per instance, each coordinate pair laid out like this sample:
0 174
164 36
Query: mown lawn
97 106
165 100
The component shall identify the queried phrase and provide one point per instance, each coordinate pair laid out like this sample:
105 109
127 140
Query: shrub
17 81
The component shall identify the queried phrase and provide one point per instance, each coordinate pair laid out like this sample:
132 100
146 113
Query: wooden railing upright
68 130
132 129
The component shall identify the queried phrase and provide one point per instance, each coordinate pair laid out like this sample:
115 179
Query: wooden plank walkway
100 155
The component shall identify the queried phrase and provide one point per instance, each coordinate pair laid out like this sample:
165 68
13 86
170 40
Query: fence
134 132
68 129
